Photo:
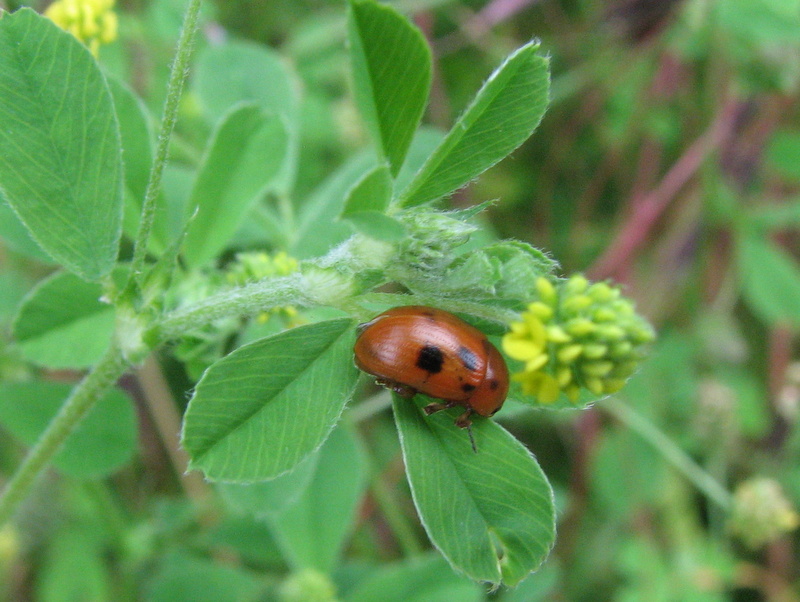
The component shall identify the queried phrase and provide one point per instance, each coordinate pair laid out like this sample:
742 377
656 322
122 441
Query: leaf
769 217
181 577
260 410
317 231
489 513
371 193
783 153
67 575
391 65
63 323
770 280
366 203
311 531
102 443
377 225
425 578
502 116
16 235
244 156
60 161
244 72
273 496
137 139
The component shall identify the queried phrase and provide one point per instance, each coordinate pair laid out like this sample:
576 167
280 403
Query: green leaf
420 579
768 22
270 497
137 140
783 153
181 577
244 156
60 161
317 229
391 65
489 513
237 72
63 323
377 225
501 117
373 192
770 280
16 235
103 442
311 531
366 203
260 410
74 567
13 287
769 217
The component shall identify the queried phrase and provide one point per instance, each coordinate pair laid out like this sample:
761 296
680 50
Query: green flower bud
432 238
327 285
307 585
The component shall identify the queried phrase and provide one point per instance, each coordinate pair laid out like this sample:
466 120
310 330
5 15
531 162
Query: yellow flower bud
594 351
556 334
569 354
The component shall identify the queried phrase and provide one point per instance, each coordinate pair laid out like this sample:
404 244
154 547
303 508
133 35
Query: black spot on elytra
467 388
468 358
494 385
430 359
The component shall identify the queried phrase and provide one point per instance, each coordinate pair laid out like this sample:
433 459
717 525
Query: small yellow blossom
761 512
249 267
576 335
93 22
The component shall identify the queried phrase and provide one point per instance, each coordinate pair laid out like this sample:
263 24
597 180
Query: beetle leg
403 391
438 407
463 421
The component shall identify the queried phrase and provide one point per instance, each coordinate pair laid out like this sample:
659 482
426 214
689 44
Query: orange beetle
417 349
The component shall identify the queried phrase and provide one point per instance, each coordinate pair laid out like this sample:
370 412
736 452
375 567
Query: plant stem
180 69
82 399
246 300
670 452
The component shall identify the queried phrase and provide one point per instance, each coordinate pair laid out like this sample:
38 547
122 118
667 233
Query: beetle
417 349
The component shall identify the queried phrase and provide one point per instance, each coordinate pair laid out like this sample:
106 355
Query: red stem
651 207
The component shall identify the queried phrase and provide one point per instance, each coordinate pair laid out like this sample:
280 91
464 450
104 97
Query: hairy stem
180 69
669 451
82 399
246 300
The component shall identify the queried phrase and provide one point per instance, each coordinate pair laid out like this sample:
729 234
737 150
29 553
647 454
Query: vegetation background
668 161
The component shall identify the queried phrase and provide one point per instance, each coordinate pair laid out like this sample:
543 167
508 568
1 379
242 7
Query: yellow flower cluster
253 266
93 22
577 335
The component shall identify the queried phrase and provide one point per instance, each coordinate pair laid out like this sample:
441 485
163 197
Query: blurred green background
669 161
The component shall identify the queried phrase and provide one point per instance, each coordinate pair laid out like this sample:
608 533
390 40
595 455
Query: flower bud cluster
433 236
761 513
577 335
253 266
93 22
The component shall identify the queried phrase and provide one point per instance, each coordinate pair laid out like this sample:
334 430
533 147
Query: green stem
243 301
180 69
82 399
671 452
